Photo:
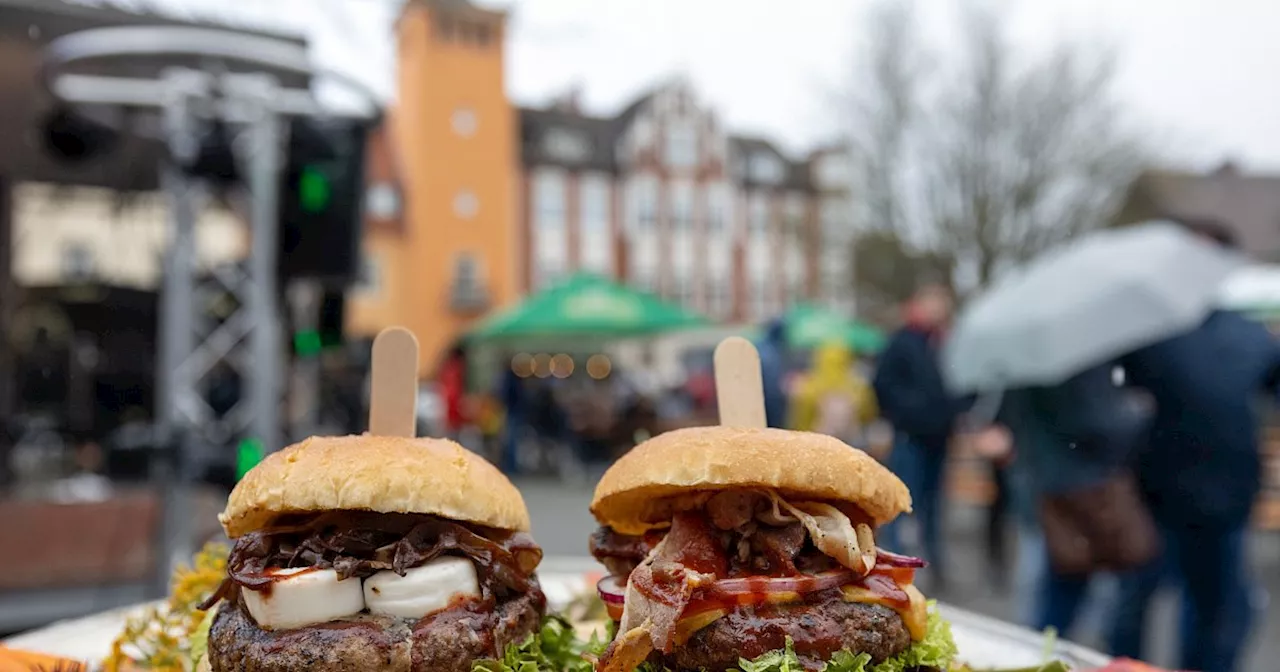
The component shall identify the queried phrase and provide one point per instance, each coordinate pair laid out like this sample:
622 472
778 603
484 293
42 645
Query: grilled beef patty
818 629
447 641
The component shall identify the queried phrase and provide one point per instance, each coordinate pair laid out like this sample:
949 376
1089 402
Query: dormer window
566 145
682 144
833 171
764 167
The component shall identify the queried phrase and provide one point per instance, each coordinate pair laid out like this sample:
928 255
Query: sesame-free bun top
678 470
386 474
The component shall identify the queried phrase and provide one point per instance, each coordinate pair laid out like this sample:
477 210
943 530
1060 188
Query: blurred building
665 198
472 203
440 241
65 235
1247 203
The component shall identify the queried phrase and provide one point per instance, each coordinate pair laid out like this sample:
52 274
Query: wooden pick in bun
378 552
740 542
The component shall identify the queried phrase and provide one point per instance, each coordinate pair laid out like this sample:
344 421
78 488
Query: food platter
984 642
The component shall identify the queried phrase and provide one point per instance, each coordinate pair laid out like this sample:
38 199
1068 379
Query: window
682 288
549 200
682 144
758 223
720 297
833 171
464 122
465 204
759 297
594 193
796 289
644 204
682 207
644 280
382 201
468 283
765 167
369 275
567 145
445 29
835 220
546 272
78 261
719 207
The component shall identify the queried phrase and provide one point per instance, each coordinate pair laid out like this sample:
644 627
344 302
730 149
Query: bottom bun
447 641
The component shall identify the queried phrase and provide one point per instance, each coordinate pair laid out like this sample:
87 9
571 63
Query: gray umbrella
1106 295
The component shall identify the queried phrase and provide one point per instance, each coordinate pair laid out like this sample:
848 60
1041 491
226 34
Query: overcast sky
1200 74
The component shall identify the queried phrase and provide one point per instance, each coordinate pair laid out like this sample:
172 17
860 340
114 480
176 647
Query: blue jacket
773 368
1069 436
910 390
1201 464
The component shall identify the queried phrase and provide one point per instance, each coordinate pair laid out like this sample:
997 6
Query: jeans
1211 566
921 469
509 461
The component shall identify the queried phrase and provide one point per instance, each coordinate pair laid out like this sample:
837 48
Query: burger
373 553
754 549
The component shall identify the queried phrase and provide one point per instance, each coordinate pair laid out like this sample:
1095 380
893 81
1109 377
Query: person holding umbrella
1081 307
1200 473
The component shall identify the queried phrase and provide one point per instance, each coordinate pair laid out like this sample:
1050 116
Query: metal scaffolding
255 108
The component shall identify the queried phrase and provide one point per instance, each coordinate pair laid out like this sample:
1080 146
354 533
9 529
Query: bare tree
995 157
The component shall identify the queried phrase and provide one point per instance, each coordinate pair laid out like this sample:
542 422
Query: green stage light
307 342
314 190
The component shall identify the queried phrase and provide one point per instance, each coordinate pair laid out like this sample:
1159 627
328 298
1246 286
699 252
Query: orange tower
449 252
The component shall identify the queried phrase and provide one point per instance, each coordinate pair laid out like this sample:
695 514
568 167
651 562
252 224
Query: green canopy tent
586 305
809 326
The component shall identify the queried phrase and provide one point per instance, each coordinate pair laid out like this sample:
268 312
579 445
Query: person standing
909 388
773 371
1201 473
513 394
453 391
833 398
1073 442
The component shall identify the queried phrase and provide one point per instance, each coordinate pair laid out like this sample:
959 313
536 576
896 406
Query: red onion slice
803 583
897 560
612 590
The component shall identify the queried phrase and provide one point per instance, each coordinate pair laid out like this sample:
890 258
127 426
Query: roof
1248 204
601 134
797 174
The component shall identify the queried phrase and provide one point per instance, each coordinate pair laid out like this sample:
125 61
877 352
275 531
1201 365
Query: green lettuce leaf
200 638
557 649
554 648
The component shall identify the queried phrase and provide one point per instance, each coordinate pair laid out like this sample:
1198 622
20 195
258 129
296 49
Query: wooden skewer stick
393 397
739 383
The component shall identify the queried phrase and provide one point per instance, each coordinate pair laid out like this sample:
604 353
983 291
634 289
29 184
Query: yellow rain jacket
832 398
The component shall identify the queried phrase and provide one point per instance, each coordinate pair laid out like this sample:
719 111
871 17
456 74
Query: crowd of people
1135 475
1142 471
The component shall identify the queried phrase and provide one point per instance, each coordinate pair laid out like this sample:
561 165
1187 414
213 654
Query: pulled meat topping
360 544
738 534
